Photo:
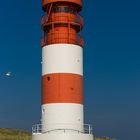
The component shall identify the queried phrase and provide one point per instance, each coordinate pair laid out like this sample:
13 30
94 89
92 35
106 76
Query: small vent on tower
72 88
48 78
43 110
78 60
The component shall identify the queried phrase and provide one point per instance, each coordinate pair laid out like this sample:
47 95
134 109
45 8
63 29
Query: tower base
62 136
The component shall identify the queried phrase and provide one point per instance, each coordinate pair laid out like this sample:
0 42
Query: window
63 9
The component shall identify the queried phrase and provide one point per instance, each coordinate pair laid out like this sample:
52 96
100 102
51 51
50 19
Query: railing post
89 129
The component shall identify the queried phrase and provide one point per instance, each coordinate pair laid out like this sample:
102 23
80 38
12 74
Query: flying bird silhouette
8 74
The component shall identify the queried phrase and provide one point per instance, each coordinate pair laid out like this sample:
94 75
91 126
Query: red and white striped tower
62 73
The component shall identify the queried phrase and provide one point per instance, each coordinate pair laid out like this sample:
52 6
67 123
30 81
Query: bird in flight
8 74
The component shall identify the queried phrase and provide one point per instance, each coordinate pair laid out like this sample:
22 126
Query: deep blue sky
111 65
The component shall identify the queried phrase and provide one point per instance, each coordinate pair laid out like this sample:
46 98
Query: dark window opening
63 9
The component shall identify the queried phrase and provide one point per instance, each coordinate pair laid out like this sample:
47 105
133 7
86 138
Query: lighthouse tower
62 73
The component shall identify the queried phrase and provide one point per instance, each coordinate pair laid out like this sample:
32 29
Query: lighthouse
62 114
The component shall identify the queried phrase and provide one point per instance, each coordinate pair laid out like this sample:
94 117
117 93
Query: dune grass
14 134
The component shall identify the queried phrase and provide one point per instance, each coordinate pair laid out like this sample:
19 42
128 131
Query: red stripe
62 88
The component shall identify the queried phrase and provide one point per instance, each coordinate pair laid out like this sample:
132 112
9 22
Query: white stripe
62 115
62 58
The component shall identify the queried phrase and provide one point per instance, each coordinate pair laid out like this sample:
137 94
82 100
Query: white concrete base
62 136
62 116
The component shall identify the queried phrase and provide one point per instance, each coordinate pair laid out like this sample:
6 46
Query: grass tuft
14 134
